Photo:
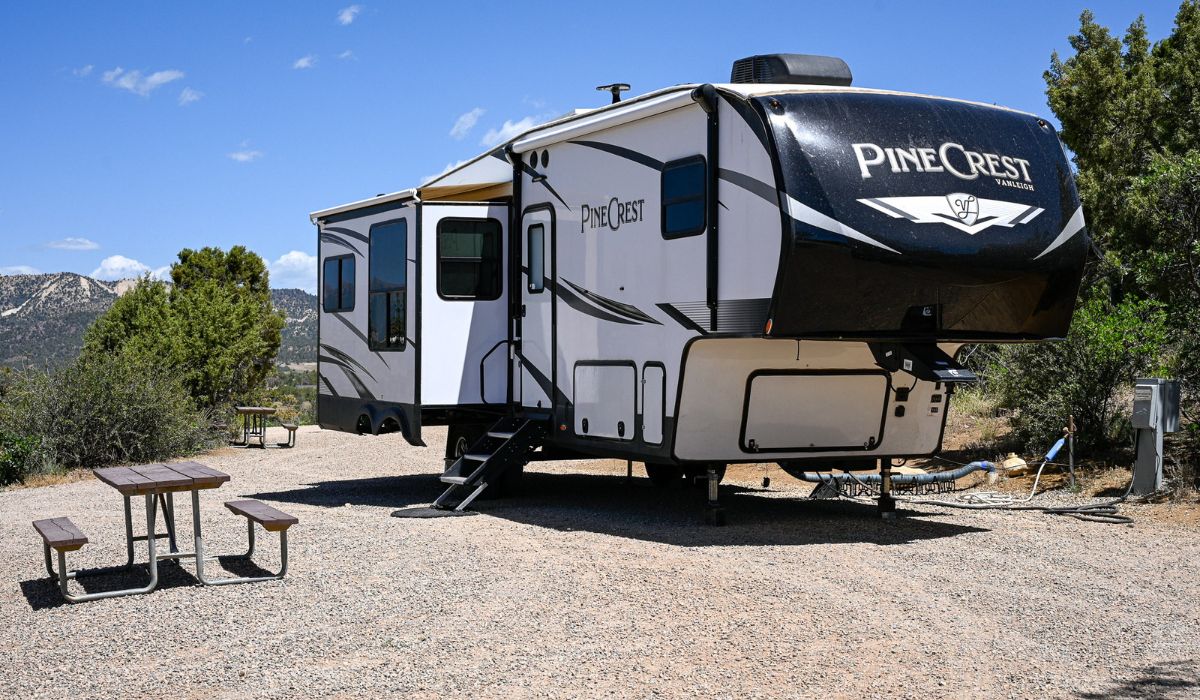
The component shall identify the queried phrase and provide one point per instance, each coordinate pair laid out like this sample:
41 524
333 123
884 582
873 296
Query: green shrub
1107 348
104 409
16 456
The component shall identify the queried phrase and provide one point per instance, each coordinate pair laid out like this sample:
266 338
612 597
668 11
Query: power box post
1071 449
1155 413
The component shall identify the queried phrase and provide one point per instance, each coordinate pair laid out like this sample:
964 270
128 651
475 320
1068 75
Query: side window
469 255
337 283
684 200
537 258
387 286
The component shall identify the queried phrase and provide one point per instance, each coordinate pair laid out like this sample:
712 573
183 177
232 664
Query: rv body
742 272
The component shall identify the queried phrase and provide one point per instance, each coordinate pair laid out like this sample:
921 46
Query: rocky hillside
43 317
299 343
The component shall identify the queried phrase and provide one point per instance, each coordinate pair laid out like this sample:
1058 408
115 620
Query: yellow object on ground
1014 465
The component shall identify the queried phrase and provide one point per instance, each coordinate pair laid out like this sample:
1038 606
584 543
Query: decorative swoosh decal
1074 225
346 232
616 307
347 359
575 302
359 387
806 214
335 240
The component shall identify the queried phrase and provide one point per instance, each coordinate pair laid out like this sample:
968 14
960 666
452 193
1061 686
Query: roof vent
791 68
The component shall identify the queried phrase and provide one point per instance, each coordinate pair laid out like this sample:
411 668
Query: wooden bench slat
164 477
156 478
203 477
272 519
60 533
125 480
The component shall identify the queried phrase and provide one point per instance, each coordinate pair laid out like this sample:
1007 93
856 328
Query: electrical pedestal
1155 412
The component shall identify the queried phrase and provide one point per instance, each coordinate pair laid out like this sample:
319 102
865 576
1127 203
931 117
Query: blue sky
133 130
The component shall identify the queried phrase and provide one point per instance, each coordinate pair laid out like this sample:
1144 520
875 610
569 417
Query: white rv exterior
623 277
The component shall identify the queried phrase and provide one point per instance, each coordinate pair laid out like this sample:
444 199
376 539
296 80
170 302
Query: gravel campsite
592 585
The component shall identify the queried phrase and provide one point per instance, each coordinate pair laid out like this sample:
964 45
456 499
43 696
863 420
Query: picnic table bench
158 483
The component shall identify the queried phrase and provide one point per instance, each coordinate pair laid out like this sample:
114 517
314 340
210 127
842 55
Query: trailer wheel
698 476
459 439
664 475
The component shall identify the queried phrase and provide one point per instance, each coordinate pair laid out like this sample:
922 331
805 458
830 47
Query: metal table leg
250 552
64 576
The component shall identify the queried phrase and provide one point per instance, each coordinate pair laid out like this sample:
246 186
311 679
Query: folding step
507 444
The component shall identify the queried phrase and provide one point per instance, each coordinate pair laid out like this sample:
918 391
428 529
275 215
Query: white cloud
245 156
346 55
135 82
188 96
305 62
161 273
119 267
19 270
295 269
509 129
464 124
83 72
346 15
73 243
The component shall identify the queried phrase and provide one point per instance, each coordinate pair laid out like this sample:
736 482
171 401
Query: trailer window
684 200
387 286
537 258
468 259
337 283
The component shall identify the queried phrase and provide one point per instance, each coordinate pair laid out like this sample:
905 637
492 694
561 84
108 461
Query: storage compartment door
653 381
819 411
605 400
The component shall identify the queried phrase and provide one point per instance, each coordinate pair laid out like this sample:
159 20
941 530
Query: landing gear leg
714 514
887 504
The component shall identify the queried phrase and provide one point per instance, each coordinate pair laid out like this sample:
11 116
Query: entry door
535 352
464 304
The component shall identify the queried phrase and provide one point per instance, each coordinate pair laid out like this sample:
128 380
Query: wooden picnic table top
259 410
161 478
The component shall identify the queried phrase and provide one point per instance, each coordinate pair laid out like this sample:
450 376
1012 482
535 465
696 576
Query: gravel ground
589 586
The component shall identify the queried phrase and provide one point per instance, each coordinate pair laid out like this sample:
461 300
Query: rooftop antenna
616 89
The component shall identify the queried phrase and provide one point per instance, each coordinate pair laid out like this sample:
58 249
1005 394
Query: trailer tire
664 475
459 439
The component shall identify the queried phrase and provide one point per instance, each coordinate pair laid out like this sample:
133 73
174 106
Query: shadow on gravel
43 592
1172 679
635 509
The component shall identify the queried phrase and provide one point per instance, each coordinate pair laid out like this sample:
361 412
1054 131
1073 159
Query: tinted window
337 283
684 200
469 259
387 289
346 300
537 258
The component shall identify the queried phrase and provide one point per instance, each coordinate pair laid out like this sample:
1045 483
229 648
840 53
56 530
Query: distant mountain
299 342
43 317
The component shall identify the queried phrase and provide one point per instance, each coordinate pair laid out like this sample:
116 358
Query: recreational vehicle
781 268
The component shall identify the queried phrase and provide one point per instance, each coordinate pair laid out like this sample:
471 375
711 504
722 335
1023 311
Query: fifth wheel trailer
780 268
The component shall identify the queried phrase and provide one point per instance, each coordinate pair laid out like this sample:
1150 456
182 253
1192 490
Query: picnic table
254 423
158 484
